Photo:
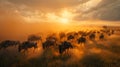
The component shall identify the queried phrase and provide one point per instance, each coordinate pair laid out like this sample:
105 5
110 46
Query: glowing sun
64 16
64 20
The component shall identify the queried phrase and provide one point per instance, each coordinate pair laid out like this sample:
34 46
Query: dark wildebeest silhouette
112 31
103 31
81 40
50 41
101 36
52 38
70 37
109 34
62 35
105 27
76 34
64 46
34 38
80 32
26 45
84 34
8 43
98 32
92 36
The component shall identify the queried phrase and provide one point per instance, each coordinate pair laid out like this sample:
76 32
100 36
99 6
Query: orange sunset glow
59 33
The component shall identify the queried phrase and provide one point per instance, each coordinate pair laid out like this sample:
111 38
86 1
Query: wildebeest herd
64 41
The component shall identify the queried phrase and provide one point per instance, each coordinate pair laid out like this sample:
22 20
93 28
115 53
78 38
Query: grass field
97 53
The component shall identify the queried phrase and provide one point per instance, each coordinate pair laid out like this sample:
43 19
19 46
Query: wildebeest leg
60 51
67 52
25 51
0 47
34 50
16 46
43 46
4 48
82 44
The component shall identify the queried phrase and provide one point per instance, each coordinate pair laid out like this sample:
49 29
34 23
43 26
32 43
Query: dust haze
95 52
59 33
19 30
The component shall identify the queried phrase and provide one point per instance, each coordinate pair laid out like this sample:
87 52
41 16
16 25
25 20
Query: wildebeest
64 46
112 31
48 43
103 31
76 34
80 32
34 38
70 37
81 40
101 36
26 45
92 36
51 38
62 35
98 32
7 43
105 27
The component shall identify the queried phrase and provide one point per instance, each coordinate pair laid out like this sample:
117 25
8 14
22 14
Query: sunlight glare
64 20
65 16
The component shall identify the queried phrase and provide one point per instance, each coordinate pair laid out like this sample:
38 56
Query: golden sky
25 16
59 10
